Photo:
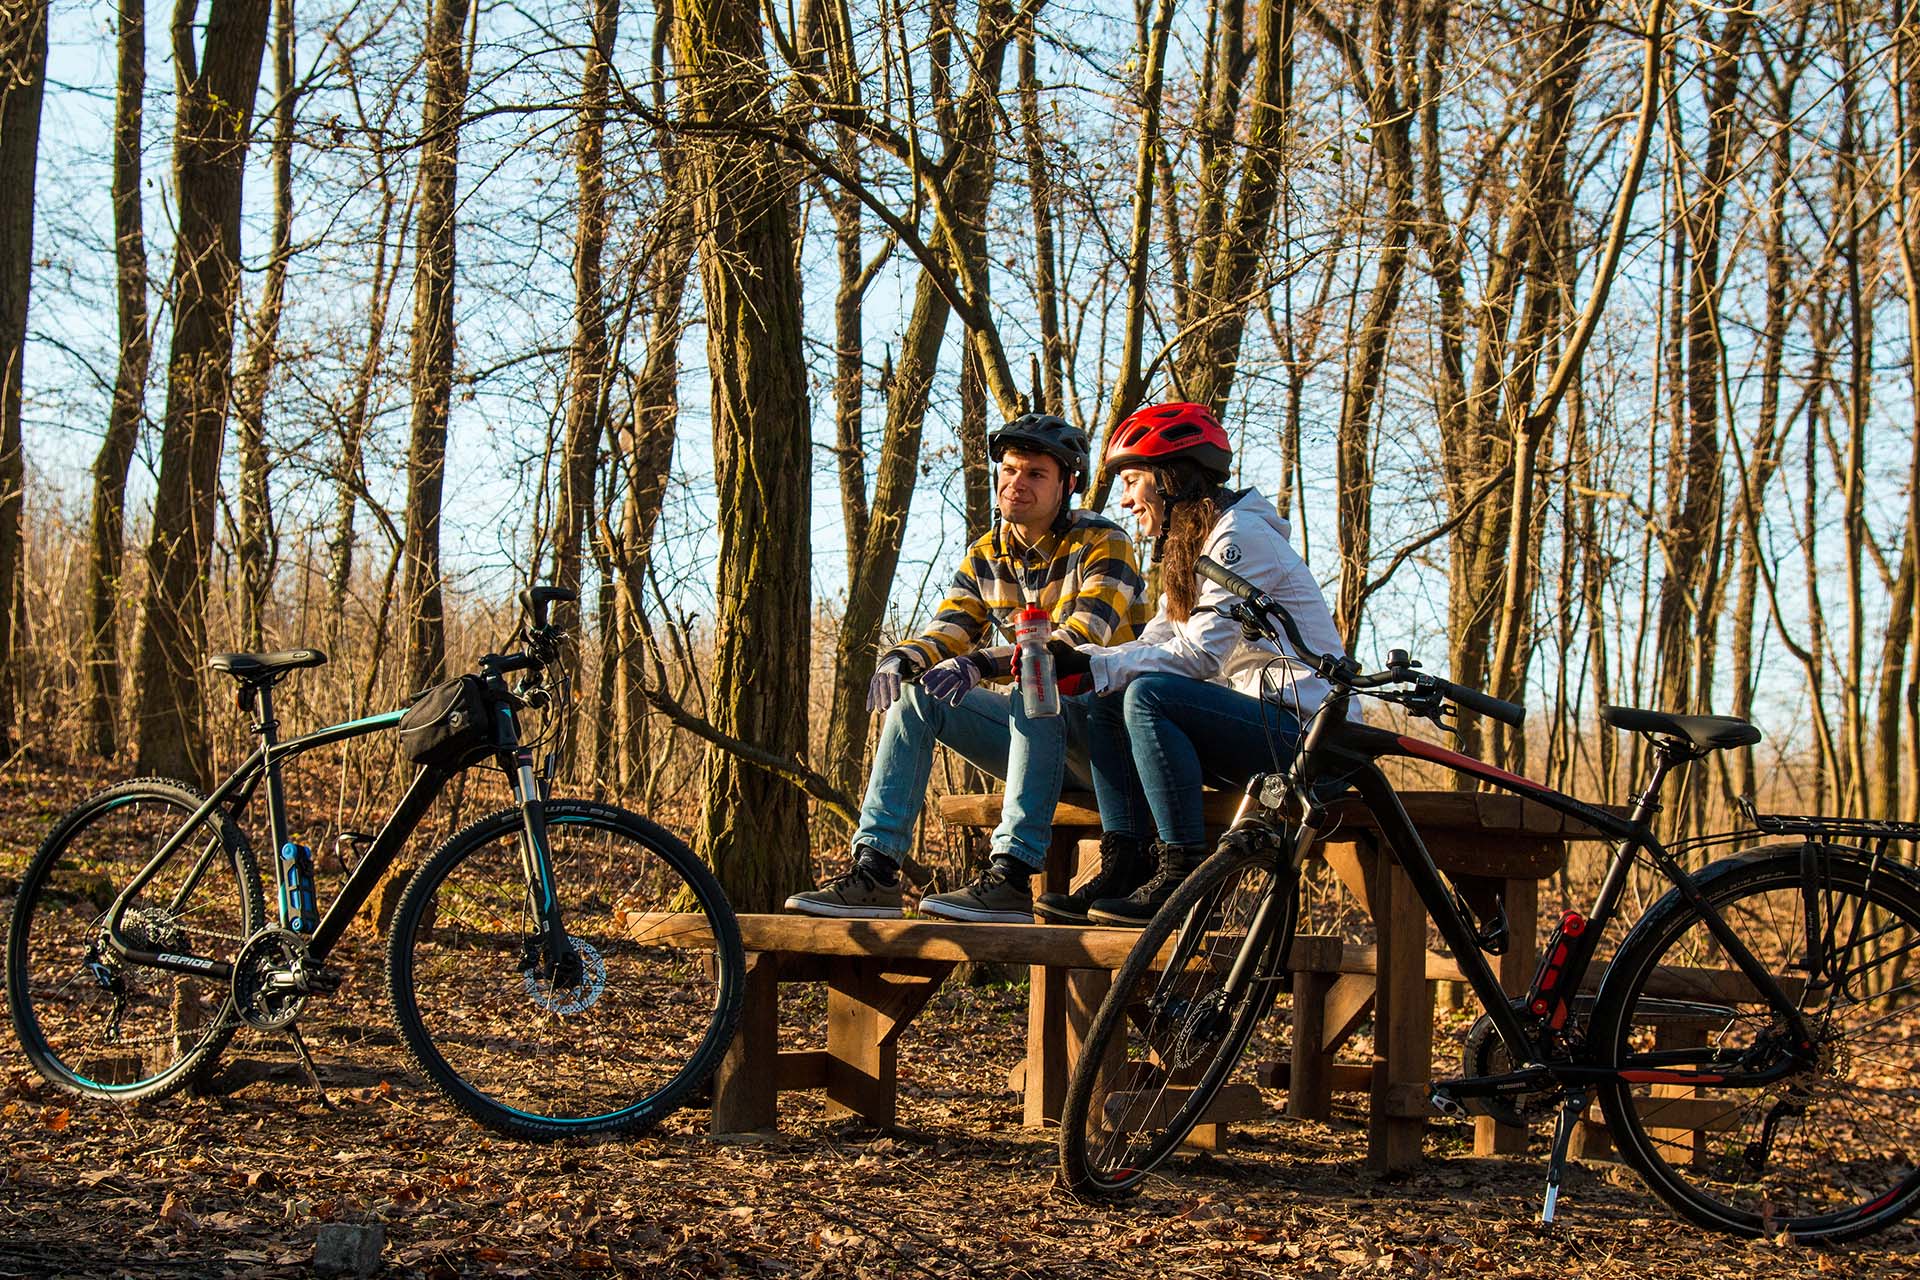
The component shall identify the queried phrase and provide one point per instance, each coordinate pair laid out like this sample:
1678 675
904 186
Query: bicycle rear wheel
1829 1152
640 1019
1169 1033
90 1021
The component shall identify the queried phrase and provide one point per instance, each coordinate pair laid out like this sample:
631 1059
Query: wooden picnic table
1486 843
881 973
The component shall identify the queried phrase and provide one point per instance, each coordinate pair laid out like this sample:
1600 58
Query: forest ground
238 1183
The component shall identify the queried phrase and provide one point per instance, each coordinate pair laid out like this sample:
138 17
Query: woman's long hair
1191 515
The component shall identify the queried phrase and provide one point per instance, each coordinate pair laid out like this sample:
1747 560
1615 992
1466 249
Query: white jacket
1250 538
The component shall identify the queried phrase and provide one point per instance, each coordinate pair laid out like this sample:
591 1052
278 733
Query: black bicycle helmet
1051 435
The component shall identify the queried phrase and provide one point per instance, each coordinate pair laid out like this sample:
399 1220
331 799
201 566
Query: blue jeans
991 729
1156 741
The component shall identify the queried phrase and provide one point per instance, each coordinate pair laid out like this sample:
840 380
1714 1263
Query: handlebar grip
1221 576
1486 704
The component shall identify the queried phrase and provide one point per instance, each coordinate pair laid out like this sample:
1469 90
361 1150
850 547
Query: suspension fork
536 859
1274 919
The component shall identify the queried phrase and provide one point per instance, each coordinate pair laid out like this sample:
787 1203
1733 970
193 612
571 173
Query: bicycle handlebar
1486 704
1340 670
1218 574
536 599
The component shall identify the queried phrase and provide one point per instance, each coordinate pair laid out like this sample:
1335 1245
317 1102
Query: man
1078 566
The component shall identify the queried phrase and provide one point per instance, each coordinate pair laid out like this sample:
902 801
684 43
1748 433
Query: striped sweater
1085 577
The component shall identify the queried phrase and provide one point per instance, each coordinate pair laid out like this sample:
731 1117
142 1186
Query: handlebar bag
450 726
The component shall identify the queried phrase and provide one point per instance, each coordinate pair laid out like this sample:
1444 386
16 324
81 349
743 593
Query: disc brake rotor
573 992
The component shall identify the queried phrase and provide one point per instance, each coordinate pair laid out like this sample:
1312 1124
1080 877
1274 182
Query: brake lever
1427 704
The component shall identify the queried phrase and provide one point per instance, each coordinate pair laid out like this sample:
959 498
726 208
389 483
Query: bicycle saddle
1707 733
249 668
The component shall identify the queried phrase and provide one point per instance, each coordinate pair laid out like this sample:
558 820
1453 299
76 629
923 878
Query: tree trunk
216 87
647 454
23 79
1040 197
1129 383
256 540
107 517
1848 162
431 372
1225 274
388 251
753 825
1897 686
1764 454
969 162
590 370
1686 631
1353 458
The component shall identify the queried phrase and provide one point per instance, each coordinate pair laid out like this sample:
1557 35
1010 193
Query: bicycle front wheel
89 1020
1830 1151
1171 1030
638 1017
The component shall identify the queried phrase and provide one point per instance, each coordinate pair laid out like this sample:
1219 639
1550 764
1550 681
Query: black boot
1123 866
1176 862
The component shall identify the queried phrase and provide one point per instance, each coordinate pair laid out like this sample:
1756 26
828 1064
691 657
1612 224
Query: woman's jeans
1156 741
991 729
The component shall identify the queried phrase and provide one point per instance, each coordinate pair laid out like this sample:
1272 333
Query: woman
1181 705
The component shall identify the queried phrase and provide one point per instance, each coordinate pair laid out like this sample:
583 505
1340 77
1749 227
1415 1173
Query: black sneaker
1123 866
1176 862
999 896
859 894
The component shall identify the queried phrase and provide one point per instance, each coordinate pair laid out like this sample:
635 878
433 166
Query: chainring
264 971
1484 1053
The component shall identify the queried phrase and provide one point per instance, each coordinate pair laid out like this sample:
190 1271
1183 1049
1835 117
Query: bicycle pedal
324 981
1447 1105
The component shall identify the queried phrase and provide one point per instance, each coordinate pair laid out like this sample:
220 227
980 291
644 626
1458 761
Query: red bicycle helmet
1159 433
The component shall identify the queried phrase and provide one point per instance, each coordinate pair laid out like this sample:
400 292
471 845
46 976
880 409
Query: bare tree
588 380
1694 550
968 121
431 369
23 79
107 521
216 83
256 535
752 826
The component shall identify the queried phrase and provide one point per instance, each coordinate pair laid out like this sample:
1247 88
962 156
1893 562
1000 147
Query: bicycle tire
1120 1119
170 1026
1828 1153
612 1051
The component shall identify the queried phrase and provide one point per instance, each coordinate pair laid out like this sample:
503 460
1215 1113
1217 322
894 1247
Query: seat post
1647 803
267 727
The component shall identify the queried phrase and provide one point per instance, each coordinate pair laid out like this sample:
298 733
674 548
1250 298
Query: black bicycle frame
1336 746
265 764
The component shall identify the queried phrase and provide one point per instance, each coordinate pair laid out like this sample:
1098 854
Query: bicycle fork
551 950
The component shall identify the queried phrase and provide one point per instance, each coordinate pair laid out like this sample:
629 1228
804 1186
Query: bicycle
1751 1044
557 968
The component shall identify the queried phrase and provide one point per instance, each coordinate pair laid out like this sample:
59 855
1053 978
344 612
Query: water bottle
1039 686
297 903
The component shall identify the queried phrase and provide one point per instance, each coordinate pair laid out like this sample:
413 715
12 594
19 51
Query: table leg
867 1008
1402 1023
746 1088
1516 968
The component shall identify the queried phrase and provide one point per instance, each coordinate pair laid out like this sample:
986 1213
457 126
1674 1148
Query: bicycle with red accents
1754 1042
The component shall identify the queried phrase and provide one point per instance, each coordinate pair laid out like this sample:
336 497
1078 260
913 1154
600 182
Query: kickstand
1572 1106
306 1060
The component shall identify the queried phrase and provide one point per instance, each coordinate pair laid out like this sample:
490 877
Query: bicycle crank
270 979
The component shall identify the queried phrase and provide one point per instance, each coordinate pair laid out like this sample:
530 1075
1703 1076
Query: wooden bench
879 975
1486 843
